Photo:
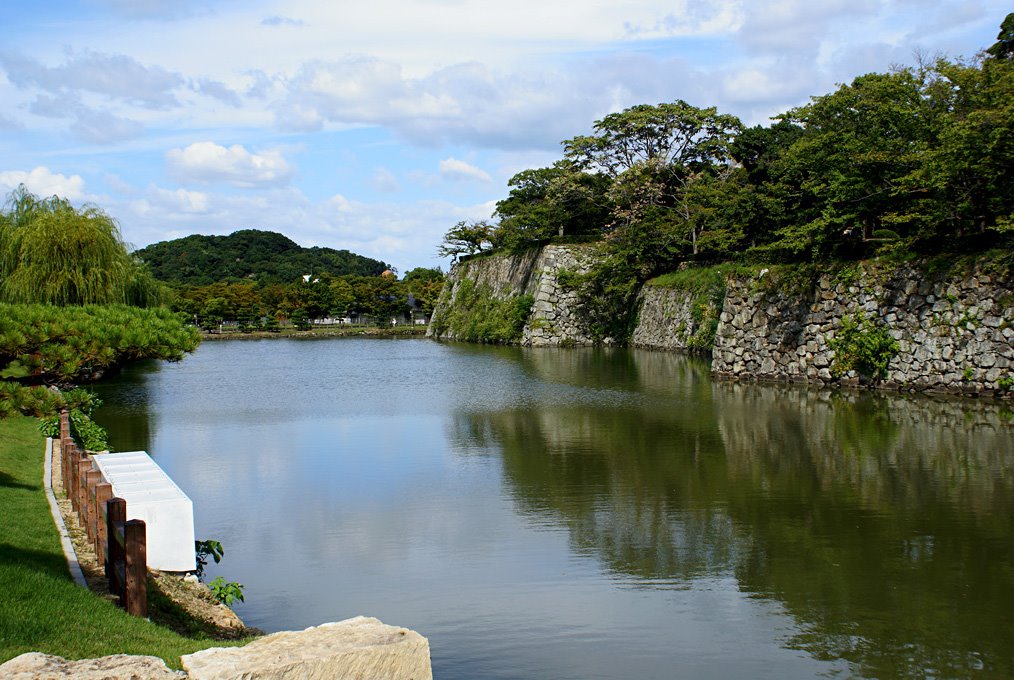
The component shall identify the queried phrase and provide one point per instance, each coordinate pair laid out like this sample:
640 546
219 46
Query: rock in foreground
361 648
36 666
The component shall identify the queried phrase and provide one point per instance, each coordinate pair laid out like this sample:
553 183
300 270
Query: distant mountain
248 254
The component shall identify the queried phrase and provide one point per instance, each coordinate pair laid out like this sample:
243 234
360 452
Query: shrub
863 347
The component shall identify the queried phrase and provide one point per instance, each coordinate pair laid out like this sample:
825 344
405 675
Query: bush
863 347
88 434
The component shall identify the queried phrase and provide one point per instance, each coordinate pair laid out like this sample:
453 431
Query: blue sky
376 126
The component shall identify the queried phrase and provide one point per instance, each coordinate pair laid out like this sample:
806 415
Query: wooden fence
119 543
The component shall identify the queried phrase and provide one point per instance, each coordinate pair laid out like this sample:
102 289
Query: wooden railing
119 543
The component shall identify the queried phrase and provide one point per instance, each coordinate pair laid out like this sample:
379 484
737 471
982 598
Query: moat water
581 514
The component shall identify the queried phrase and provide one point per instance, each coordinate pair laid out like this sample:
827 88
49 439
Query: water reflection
127 395
592 513
882 524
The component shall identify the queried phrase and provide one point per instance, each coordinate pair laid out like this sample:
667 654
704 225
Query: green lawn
41 609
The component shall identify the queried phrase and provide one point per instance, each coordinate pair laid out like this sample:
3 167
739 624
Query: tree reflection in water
883 524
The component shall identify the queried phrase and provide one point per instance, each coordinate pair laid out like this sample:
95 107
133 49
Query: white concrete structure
152 496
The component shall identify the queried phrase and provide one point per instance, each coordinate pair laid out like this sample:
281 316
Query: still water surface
581 514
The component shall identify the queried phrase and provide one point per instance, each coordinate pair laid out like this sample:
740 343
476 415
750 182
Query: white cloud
9 123
760 84
114 75
210 162
116 183
457 170
461 104
42 181
103 127
170 202
217 90
339 203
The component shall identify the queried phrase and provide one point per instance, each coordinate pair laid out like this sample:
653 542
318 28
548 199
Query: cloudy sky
377 125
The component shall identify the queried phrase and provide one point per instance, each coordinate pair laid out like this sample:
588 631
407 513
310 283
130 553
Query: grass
41 609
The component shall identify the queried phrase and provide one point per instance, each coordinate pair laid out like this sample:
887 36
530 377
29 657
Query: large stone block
36 666
361 648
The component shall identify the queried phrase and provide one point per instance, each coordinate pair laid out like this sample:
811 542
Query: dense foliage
264 256
917 161
53 253
862 346
73 305
48 345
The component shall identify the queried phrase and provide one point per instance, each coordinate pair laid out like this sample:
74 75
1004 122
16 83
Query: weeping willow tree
71 300
54 253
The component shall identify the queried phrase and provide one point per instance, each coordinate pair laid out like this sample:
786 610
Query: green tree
251 254
43 347
965 183
860 144
1003 48
215 311
557 201
343 297
468 238
654 155
425 285
53 253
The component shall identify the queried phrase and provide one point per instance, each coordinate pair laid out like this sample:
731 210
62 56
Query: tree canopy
916 160
54 253
264 256
72 305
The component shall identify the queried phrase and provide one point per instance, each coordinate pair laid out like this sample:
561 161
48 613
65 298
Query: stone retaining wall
953 332
667 321
554 320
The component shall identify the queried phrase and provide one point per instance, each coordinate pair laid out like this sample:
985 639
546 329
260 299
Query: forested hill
249 254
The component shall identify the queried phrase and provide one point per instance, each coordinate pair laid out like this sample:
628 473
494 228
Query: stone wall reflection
881 523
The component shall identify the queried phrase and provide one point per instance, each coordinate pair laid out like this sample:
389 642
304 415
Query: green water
591 513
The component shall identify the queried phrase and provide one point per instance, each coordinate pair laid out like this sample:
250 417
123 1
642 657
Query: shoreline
359 331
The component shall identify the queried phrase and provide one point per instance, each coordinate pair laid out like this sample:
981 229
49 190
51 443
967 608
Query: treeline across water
266 305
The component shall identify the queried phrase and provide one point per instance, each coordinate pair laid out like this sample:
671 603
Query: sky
377 125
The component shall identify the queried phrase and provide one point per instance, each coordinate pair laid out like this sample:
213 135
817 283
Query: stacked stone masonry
665 320
954 333
555 320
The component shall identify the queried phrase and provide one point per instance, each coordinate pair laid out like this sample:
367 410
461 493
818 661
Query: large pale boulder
362 648
36 666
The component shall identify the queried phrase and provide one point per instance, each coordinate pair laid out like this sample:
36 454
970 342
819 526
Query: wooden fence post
83 465
64 424
103 492
65 444
74 480
135 599
92 479
116 512
68 467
